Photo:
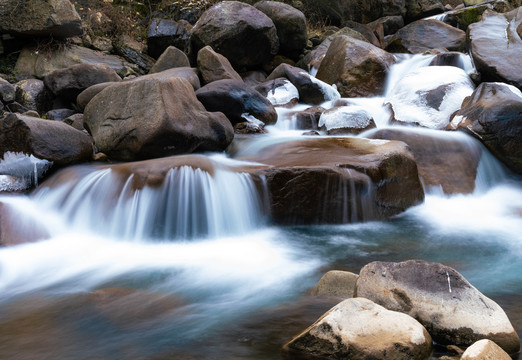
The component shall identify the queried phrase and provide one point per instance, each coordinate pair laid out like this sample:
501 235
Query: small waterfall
405 64
189 203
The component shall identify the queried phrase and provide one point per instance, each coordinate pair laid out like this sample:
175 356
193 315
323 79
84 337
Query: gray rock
451 309
7 92
68 83
33 94
86 95
59 114
56 18
360 329
163 33
172 57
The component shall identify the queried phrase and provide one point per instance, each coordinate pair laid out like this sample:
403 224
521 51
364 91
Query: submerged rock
445 161
357 68
451 309
360 329
338 180
428 96
153 117
492 114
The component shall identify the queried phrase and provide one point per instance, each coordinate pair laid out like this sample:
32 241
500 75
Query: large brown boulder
238 31
290 24
492 114
357 68
445 161
45 139
153 117
172 57
496 47
213 66
428 96
354 179
234 98
360 329
34 63
68 83
451 309
423 35
56 18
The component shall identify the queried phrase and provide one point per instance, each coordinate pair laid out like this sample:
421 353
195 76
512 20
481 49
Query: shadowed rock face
154 117
360 329
492 114
450 308
496 47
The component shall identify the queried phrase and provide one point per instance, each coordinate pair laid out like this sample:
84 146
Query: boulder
496 47
163 33
390 24
185 73
313 59
59 114
54 18
360 329
35 63
34 95
68 83
311 90
428 96
7 92
280 92
234 98
343 120
213 66
357 68
445 161
336 283
418 9
153 117
365 31
290 24
451 309
86 95
172 57
353 179
75 120
492 114
423 35
45 139
483 350
238 31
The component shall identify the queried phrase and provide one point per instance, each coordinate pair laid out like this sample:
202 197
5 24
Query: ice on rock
429 95
345 117
27 168
282 95
330 91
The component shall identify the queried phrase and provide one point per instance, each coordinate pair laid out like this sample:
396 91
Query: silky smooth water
193 269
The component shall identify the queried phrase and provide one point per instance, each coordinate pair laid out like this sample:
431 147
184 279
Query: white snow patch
352 116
